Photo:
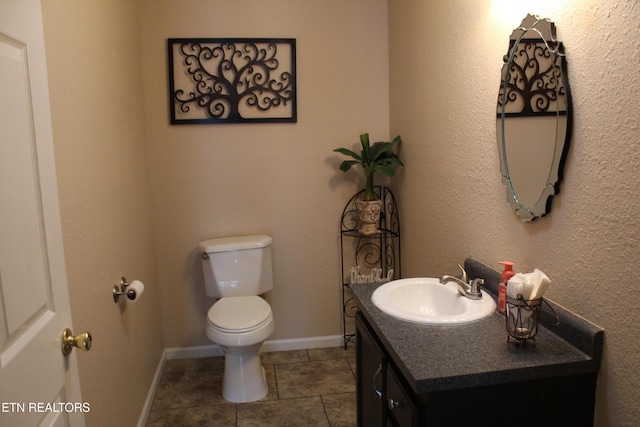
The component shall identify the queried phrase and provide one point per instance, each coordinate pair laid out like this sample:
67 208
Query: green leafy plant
377 158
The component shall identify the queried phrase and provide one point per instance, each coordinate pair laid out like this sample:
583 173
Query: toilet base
244 377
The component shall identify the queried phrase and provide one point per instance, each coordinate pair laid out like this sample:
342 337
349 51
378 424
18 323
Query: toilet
236 271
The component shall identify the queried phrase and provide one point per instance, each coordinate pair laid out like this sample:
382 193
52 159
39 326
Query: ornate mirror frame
533 125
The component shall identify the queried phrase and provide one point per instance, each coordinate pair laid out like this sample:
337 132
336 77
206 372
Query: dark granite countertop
436 358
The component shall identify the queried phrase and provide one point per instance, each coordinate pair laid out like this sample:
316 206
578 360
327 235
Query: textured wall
445 61
278 179
93 60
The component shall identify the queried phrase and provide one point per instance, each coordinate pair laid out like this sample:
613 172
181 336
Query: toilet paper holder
122 290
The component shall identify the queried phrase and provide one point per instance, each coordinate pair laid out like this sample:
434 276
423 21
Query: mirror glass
533 117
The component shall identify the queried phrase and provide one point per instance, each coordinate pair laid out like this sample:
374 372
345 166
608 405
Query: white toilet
237 270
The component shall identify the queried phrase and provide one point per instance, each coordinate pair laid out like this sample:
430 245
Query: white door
38 385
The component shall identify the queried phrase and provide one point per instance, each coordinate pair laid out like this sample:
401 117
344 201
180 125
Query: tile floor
314 387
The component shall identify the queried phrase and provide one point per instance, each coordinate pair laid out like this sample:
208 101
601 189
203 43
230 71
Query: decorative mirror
533 123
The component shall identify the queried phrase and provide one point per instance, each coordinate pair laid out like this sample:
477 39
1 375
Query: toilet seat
235 315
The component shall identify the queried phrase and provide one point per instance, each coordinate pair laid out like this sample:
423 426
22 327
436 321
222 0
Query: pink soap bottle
507 274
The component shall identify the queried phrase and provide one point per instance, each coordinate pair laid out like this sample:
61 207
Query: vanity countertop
437 358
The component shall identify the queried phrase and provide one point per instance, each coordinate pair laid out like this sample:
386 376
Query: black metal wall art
232 80
533 79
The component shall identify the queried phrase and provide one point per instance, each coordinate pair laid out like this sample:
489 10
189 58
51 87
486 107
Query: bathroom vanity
470 375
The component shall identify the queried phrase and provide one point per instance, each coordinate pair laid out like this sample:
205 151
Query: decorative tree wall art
232 80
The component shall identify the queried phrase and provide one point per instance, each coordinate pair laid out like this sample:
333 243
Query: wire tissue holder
522 318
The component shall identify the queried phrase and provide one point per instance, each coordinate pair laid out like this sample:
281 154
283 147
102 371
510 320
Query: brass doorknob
82 341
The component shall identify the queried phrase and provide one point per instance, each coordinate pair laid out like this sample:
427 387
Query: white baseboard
302 343
146 408
215 350
268 346
193 352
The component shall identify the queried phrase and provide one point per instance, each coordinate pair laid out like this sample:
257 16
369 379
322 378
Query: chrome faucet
470 290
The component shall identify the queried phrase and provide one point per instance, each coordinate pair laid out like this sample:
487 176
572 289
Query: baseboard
146 408
302 343
268 346
193 352
215 350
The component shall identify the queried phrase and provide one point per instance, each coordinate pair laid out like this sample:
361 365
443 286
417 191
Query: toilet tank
237 266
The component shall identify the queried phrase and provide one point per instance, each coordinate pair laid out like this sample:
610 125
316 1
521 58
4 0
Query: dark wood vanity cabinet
385 398
370 366
382 397
402 410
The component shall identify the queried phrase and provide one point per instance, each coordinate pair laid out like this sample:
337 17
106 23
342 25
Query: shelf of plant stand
382 233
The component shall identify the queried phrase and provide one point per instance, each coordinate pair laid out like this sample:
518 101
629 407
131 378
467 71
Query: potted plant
376 158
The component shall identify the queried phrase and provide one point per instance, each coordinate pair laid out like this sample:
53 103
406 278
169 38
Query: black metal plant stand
374 255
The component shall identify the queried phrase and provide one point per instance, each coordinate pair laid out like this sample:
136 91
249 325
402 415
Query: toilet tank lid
237 243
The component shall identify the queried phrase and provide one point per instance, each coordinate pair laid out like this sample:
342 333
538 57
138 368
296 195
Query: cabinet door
370 373
403 412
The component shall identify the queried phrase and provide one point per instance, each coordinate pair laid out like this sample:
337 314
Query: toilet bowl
236 271
240 325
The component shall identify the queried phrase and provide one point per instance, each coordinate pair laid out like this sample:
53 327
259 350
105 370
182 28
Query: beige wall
122 167
445 62
95 80
278 179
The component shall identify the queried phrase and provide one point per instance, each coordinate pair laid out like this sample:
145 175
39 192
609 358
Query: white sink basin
425 300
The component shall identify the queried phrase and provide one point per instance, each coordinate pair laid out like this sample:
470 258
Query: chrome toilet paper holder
130 293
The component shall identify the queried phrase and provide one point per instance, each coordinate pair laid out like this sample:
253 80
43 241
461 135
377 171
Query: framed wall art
244 80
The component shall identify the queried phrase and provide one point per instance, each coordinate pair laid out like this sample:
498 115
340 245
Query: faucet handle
464 276
477 281
475 286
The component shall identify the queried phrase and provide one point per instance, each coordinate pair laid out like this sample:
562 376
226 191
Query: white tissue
515 285
138 287
542 283
528 286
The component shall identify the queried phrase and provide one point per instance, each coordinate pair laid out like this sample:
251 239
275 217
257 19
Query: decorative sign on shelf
232 80
374 277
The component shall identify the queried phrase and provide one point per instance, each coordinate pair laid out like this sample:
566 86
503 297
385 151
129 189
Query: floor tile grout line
275 376
324 409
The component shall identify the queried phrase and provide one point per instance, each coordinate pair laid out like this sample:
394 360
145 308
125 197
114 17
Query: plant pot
369 213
